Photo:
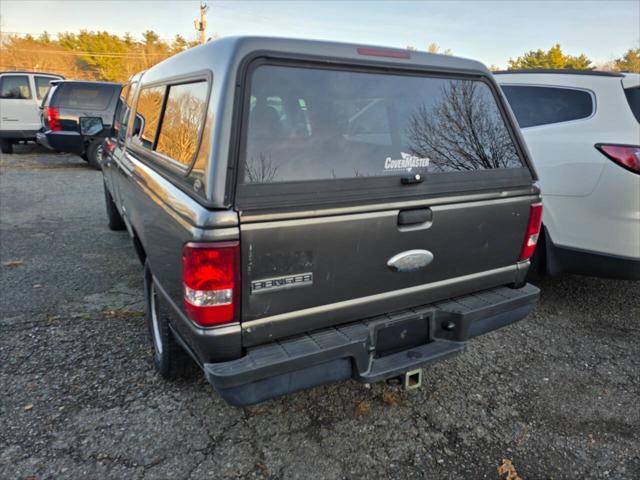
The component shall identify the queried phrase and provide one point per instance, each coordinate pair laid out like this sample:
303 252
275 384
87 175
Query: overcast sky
490 31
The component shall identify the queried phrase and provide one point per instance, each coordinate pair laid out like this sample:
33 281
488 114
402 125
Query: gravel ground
557 394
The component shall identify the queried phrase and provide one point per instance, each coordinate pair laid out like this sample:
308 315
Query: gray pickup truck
309 212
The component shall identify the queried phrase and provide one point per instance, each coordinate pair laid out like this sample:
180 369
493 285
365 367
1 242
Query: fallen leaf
362 408
28 407
390 398
507 468
254 411
124 313
12 263
263 468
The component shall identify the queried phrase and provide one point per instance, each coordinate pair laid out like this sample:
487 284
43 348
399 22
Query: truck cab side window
125 111
148 109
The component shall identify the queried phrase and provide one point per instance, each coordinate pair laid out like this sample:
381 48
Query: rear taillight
211 277
53 118
533 231
627 156
109 145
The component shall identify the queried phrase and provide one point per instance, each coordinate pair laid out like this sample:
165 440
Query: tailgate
362 193
328 270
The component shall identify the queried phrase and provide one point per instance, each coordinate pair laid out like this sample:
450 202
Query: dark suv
309 212
77 116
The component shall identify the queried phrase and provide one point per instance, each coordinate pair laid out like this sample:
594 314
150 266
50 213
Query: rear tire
116 222
169 359
93 153
6 146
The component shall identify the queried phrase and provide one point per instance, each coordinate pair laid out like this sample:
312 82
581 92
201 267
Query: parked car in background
582 129
309 212
20 97
77 116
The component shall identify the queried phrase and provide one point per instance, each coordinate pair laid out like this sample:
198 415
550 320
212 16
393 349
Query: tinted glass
312 124
123 111
544 105
42 86
119 114
15 86
84 96
182 120
148 112
47 98
633 97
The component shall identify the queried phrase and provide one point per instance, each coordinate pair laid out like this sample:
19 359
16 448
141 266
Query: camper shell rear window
310 124
318 134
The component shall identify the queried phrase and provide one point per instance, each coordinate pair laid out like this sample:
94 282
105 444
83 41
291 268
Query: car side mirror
138 125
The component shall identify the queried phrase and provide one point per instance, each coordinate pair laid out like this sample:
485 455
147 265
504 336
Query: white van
21 94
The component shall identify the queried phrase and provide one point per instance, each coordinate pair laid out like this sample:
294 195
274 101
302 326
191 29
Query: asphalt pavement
557 394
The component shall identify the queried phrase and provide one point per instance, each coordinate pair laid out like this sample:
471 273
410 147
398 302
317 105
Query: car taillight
211 278
383 52
109 146
53 118
627 156
533 231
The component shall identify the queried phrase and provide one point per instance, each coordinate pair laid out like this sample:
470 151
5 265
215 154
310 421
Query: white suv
583 131
21 94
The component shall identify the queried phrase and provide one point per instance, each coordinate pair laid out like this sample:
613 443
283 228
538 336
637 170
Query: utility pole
201 25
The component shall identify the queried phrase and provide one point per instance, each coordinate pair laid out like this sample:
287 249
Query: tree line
99 55
556 58
88 55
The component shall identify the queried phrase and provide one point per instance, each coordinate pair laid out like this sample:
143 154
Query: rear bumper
606 222
41 139
582 262
68 142
350 351
18 134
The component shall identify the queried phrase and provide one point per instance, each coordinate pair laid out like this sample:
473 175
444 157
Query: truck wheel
93 153
115 219
6 146
169 359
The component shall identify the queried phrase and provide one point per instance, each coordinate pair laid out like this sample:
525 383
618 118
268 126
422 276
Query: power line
67 72
36 36
90 54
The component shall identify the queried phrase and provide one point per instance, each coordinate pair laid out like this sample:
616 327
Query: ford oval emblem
410 261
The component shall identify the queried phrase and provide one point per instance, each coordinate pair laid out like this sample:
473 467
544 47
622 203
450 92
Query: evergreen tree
553 58
629 62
